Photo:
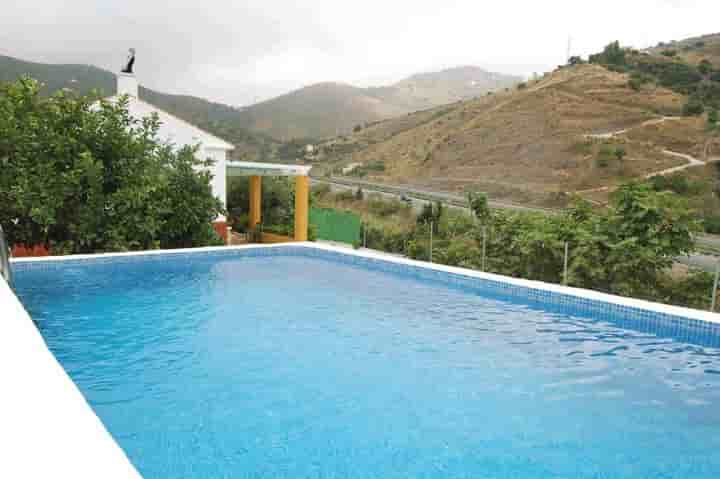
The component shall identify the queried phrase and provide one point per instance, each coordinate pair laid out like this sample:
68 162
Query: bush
522 86
87 177
705 67
669 53
713 118
345 195
620 153
693 107
711 224
613 54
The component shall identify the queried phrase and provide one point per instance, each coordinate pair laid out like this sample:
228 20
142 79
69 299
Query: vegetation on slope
584 128
84 179
626 249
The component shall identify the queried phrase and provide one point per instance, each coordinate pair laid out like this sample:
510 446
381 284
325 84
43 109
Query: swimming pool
294 362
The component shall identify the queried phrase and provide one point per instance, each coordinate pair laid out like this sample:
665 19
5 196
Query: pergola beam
302 190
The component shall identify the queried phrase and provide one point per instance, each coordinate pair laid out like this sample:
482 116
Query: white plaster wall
218 170
47 429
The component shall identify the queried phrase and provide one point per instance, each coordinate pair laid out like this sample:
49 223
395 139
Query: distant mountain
534 143
217 118
428 90
328 109
317 111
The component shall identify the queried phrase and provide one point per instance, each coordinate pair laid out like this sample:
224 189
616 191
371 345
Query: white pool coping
47 429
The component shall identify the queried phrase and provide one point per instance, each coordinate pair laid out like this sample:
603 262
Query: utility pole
569 49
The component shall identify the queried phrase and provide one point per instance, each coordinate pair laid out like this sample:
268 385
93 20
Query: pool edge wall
48 429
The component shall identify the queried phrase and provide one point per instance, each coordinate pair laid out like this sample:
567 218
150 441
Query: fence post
431 238
715 287
484 243
565 265
364 235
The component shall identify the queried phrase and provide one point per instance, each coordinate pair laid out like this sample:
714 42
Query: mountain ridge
319 110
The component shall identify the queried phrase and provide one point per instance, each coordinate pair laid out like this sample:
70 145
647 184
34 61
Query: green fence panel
334 225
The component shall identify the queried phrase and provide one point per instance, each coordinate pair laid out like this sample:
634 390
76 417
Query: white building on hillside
180 133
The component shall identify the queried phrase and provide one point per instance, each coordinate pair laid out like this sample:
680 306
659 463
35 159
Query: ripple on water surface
299 367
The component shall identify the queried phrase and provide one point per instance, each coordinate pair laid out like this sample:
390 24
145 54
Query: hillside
693 50
328 109
536 144
317 111
84 79
323 109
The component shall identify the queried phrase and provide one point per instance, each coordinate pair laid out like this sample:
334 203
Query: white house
179 132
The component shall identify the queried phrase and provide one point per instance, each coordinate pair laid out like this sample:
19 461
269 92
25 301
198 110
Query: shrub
522 86
705 67
620 153
613 54
635 84
711 224
669 53
713 118
87 177
693 107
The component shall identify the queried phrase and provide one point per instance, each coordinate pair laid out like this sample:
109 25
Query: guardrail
5 271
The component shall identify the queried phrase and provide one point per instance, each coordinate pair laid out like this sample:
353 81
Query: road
420 196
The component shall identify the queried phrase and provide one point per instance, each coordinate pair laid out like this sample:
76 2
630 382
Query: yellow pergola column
255 215
302 204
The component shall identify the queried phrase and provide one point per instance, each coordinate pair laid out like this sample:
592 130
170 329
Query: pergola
255 171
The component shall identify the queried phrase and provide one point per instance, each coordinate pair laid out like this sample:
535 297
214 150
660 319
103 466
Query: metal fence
336 225
564 251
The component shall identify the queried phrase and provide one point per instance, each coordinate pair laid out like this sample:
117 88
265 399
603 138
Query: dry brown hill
694 50
530 144
329 109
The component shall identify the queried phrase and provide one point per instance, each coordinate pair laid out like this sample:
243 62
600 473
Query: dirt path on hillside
691 160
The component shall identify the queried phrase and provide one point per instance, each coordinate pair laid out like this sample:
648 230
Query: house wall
218 170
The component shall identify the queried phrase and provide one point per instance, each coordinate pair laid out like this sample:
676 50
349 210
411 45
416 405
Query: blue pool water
295 367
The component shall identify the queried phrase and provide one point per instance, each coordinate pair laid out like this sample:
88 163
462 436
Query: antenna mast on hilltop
569 49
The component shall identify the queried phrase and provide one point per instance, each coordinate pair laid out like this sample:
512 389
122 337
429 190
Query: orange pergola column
302 204
255 216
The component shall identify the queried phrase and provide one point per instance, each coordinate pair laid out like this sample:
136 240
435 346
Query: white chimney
127 84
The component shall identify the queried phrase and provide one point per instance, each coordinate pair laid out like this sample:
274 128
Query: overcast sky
239 51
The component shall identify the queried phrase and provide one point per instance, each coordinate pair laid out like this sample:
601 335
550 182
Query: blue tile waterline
311 363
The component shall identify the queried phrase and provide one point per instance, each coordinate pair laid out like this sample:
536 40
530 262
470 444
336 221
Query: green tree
478 203
713 118
693 107
620 153
613 54
705 67
84 176
626 249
